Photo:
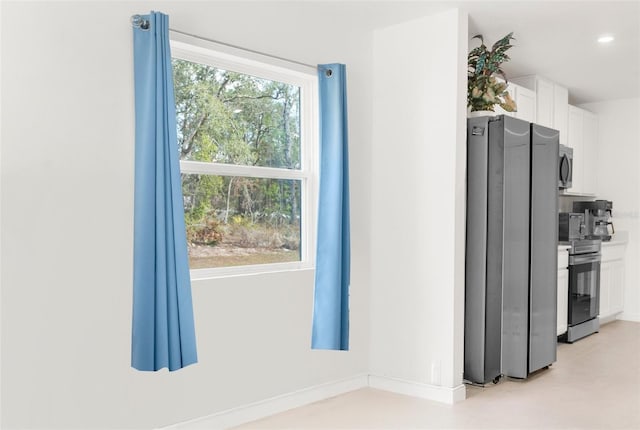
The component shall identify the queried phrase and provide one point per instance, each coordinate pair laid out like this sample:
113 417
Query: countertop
619 238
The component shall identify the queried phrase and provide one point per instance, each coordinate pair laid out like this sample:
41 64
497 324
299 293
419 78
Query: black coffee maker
597 218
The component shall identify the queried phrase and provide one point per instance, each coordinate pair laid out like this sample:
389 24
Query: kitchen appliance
511 248
565 167
571 226
597 218
584 289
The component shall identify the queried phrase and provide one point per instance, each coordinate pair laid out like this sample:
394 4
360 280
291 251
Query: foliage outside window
244 178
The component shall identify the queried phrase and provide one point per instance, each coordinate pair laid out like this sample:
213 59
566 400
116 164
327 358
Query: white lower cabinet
563 300
616 293
612 281
605 286
563 291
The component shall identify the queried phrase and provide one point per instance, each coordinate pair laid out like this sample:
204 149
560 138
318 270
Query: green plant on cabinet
484 90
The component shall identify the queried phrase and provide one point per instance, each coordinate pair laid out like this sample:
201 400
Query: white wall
417 226
67 205
0 212
618 180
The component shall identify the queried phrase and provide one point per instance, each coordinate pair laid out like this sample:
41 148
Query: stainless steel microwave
565 164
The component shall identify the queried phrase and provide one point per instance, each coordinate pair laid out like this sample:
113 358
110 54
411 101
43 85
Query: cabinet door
561 111
526 102
563 300
575 140
616 293
590 151
544 103
605 288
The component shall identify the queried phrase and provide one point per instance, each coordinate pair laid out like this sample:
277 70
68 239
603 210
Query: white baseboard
264 408
608 319
629 317
416 389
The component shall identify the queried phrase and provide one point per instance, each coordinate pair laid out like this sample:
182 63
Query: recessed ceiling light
605 38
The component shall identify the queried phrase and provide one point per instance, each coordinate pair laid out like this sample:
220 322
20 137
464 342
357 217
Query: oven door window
584 292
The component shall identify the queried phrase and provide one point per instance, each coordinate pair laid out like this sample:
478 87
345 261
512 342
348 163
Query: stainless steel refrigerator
511 248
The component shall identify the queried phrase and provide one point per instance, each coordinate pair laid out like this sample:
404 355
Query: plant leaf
504 41
476 51
480 64
501 73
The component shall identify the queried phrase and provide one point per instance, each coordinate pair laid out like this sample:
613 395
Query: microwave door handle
565 168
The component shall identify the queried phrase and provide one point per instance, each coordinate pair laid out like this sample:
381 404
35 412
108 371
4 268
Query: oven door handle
584 259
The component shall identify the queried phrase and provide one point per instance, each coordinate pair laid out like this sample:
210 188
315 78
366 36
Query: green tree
233 118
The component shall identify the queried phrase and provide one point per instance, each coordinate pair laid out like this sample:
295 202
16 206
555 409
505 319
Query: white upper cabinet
511 89
575 141
583 138
589 151
544 102
551 103
547 103
561 112
526 103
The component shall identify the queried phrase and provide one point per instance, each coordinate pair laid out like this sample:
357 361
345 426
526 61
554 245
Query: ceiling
557 40
554 39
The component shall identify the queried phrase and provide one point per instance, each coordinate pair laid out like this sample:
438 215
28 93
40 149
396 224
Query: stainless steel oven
584 289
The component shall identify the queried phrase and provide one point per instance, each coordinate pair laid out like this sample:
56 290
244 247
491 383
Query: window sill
240 271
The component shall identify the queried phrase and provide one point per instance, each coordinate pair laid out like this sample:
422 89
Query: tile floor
595 384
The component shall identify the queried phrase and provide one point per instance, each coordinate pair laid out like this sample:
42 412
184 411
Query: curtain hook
139 22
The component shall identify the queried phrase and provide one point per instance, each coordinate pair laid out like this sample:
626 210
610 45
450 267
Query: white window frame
238 60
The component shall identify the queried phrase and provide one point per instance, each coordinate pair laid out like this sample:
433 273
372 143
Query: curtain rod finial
139 22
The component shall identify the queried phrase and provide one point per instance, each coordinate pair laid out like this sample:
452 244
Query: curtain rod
138 21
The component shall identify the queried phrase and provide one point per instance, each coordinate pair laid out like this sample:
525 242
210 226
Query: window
247 141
